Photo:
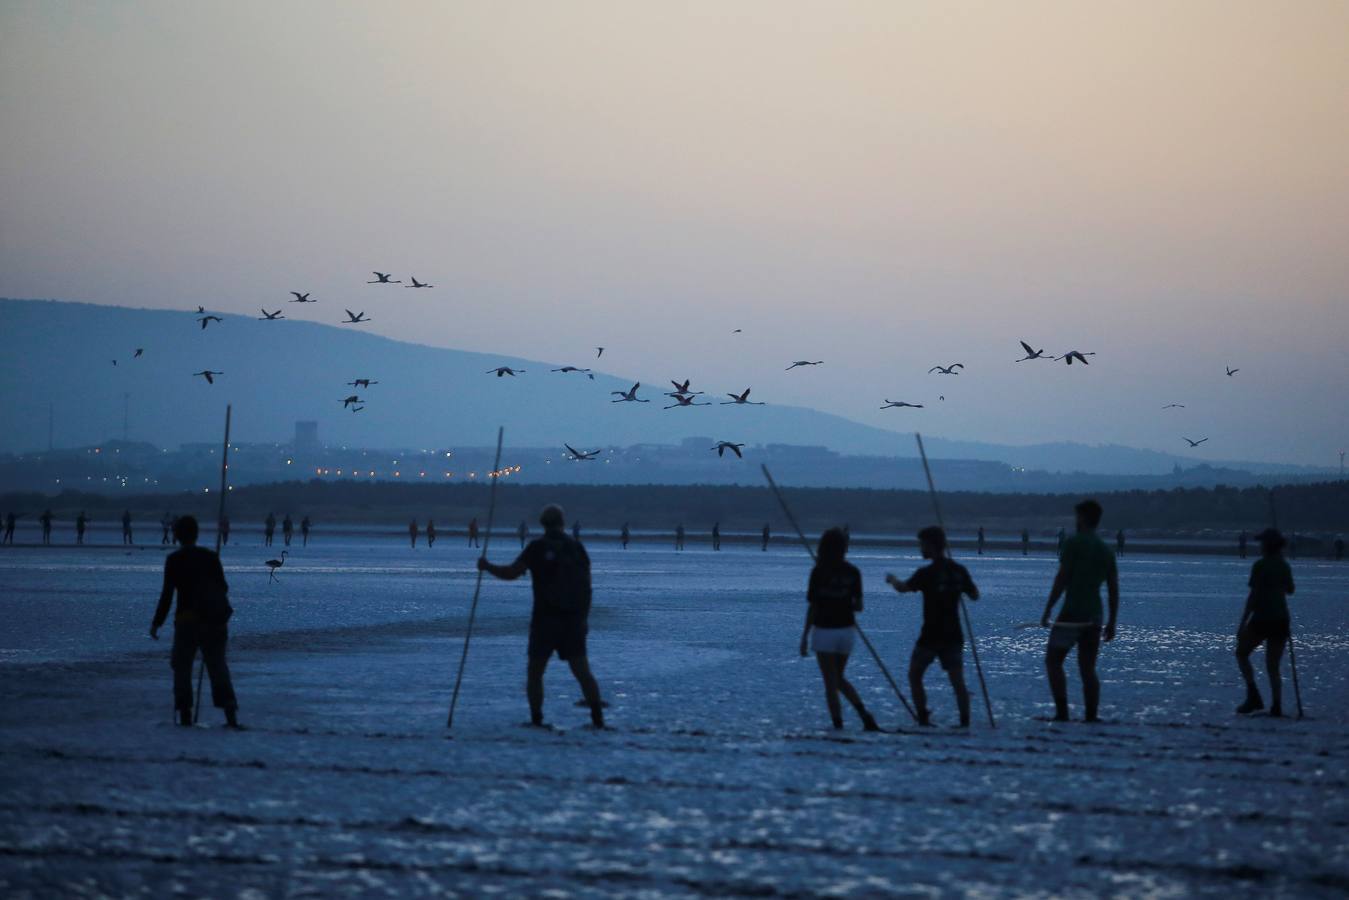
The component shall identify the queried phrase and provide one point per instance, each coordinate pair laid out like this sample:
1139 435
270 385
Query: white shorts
833 640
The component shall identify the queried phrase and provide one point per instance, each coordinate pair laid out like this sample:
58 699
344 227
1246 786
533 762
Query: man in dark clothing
304 531
765 536
165 523
1241 545
625 535
430 533
1265 620
679 536
523 532
1119 542
1025 542
412 533
941 582
10 519
1085 563
981 540
559 570
81 523
473 532
716 535
126 527
224 527
268 529
287 529
196 575
46 520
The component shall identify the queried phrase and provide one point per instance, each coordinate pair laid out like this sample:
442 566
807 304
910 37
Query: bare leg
1058 681
534 688
845 687
918 664
590 688
957 676
1087 651
829 672
1274 648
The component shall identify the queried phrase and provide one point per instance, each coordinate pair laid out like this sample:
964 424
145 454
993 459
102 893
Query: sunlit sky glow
884 186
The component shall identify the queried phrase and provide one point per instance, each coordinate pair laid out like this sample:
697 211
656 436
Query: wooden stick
965 613
477 588
860 633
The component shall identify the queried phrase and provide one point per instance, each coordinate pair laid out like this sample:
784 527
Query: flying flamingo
1174 406
723 446
628 396
1074 355
361 382
301 298
504 370
899 404
804 362
417 284
946 370
1194 443
355 319
1031 353
270 317
741 400
208 375
383 278
351 401
207 320
274 564
1231 371
579 455
684 400
586 372
682 390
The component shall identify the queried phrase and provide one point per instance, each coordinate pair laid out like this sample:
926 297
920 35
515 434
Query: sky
882 186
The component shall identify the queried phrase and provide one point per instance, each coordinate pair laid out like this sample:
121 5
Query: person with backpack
200 622
559 571
833 599
941 582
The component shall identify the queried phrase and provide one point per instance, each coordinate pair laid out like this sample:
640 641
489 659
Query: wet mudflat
720 777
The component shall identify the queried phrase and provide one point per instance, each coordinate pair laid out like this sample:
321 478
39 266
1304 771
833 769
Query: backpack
566 586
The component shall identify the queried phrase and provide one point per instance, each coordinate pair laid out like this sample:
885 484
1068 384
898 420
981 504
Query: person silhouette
624 536
268 529
1025 542
559 571
412 533
941 582
10 520
430 533
473 532
1119 542
979 541
765 537
224 527
1241 545
304 531
1265 620
679 536
46 520
287 530
81 523
200 623
522 532
126 527
833 599
165 523
1085 563
716 535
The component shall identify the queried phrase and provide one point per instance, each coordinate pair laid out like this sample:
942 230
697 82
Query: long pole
477 588
220 517
964 612
1292 652
811 550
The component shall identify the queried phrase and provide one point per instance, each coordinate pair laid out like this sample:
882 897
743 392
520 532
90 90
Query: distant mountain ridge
58 356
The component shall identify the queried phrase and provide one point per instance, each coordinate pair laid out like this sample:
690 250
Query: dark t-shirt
185 571
833 591
559 573
942 582
1271 582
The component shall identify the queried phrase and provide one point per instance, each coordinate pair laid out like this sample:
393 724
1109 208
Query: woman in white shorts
833 599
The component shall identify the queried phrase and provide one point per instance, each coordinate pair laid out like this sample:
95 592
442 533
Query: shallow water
720 777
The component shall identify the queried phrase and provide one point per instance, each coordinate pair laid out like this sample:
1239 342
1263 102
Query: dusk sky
883 186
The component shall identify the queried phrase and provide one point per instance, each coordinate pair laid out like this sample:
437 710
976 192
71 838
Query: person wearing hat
1265 621
559 571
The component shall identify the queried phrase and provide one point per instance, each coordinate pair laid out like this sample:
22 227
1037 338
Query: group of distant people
559 569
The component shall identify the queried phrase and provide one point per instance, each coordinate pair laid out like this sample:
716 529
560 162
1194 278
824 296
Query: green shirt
1087 562
1271 583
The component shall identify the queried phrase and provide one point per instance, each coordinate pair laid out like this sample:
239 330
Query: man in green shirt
1265 620
1084 564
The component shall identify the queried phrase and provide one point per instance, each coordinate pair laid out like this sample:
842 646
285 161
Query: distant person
304 531
1025 542
200 622
1062 538
765 536
46 520
1339 547
268 530
679 536
559 570
523 532
625 535
473 532
165 523
224 527
1265 620
287 529
126 527
1241 545
576 530
1084 565
81 523
10 520
1119 542
941 582
412 533
430 533
833 600
716 535
980 540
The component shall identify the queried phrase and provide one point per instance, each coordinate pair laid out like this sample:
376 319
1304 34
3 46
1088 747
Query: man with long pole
965 613
811 550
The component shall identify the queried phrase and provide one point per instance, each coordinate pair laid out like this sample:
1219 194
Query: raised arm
505 573
902 587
